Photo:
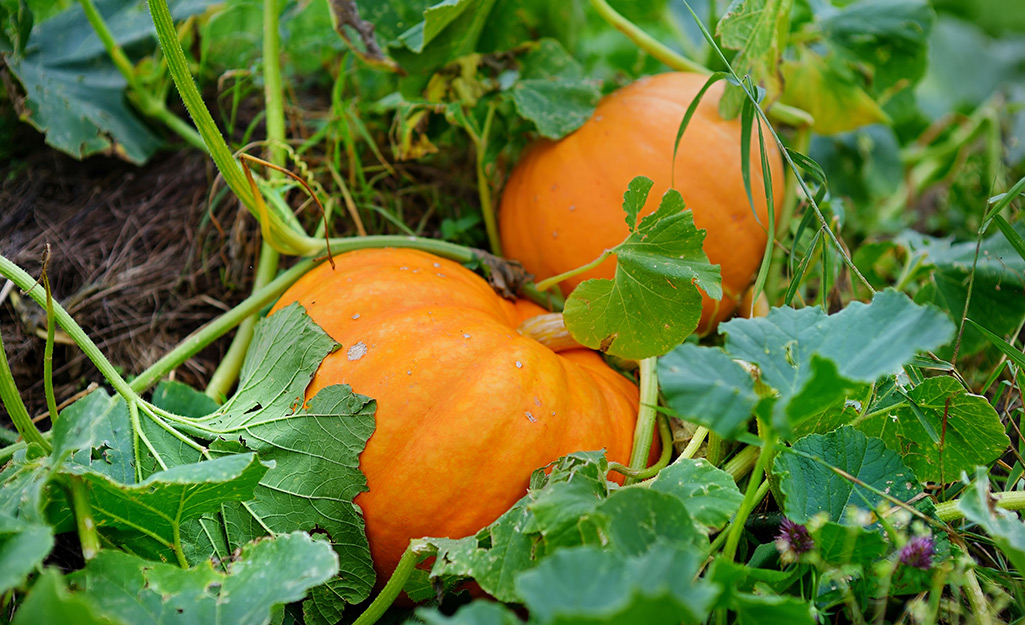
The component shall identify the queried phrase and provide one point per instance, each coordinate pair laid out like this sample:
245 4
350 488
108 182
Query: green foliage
127 589
758 29
810 485
653 302
972 432
73 91
812 361
916 122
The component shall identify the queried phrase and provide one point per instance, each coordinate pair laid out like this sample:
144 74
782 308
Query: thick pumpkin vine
831 413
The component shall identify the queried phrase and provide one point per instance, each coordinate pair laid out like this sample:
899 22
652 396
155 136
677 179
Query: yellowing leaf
828 91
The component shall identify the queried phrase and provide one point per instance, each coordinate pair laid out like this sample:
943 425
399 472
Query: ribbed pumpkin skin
466 407
562 205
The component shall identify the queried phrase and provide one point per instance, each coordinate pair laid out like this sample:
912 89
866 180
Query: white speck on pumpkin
357 351
519 365
530 417
356 316
466 336
437 264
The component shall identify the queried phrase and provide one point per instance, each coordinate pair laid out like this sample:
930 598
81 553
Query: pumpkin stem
549 330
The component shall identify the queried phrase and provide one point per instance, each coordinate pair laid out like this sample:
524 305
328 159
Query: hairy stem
742 463
414 553
51 398
666 437
695 442
179 69
548 283
11 400
484 185
751 498
643 432
87 534
148 103
1008 500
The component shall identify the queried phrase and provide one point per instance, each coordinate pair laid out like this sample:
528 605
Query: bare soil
138 257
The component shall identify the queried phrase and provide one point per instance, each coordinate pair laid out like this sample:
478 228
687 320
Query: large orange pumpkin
562 205
467 408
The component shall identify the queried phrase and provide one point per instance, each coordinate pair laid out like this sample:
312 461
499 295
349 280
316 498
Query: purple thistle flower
793 540
918 552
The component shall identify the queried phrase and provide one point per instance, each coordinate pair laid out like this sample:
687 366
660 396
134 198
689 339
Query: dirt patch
138 258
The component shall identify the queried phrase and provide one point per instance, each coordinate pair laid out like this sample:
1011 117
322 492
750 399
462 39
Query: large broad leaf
264 574
813 359
589 585
476 613
890 35
314 448
98 430
758 29
971 431
653 302
708 493
552 510
573 507
156 507
827 88
704 385
313 483
50 602
73 91
811 486
552 91
1004 527
285 352
23 546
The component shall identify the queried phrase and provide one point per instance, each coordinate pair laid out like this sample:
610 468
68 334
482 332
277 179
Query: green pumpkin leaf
572 507
889 35
814 360
314 480
157 505
285 352
810 485
766 609
708 493
653 302
73 92
996 301
705 386
552 91
841 545
182 399
588 585
973 432
98 429
23 547
50 602
265 574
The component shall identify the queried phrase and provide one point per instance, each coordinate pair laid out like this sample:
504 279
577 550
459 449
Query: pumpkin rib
453 447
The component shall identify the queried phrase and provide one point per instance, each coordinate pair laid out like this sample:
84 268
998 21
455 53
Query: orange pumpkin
467 408
562 205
